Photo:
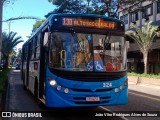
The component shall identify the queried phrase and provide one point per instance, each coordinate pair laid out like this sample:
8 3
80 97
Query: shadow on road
21 101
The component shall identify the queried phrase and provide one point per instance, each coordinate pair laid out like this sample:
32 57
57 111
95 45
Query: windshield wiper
74 35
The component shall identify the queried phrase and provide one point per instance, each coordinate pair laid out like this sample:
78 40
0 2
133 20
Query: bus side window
35 47
38 49
31 50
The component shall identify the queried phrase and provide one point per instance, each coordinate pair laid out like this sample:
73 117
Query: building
138 14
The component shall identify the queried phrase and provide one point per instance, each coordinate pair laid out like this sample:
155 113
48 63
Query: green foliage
9 41
144 75
67 6
143 37
3 78
84 6
102 7
38 24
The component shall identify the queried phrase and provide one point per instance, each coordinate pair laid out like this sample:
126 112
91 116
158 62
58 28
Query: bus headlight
126 82
66 90
121 87
59 87
52 82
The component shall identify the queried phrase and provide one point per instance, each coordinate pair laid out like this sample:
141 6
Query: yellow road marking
42 100
157 99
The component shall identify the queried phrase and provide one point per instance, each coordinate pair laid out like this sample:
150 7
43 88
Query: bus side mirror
46 39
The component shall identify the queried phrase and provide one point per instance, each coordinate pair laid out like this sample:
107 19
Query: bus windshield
87 52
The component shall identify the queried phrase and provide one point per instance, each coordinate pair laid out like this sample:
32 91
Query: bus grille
89 76
89 90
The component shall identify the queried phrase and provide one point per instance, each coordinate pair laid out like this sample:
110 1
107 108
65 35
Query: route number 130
67 21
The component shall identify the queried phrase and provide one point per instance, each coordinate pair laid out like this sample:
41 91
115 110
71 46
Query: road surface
22 101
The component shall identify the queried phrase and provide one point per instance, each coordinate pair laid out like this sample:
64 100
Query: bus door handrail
63 58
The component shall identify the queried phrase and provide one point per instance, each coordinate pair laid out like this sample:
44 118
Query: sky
36 8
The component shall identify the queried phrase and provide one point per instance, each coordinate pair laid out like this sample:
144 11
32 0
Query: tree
144 37
2 2
112 7
102 7
37 24
1 11
79 6
9 41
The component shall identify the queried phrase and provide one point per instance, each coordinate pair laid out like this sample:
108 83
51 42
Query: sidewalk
144 88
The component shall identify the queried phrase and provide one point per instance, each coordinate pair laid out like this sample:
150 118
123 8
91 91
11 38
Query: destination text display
98 23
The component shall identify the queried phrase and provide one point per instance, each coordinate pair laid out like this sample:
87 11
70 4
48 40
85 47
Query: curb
142 80
3 99
4 96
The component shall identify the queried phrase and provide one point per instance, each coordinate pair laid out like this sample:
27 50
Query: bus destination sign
98 23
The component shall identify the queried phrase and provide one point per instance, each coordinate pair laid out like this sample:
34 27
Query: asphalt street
19 100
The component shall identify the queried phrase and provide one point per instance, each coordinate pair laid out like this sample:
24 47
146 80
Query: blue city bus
77 60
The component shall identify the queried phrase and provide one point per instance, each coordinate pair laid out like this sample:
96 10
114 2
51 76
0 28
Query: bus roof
52 16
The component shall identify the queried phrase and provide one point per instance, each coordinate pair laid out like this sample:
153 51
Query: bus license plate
92 99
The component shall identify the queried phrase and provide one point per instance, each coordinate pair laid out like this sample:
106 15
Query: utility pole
1 11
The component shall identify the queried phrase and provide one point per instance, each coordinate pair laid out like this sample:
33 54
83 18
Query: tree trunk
6 61
145 57
1 11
